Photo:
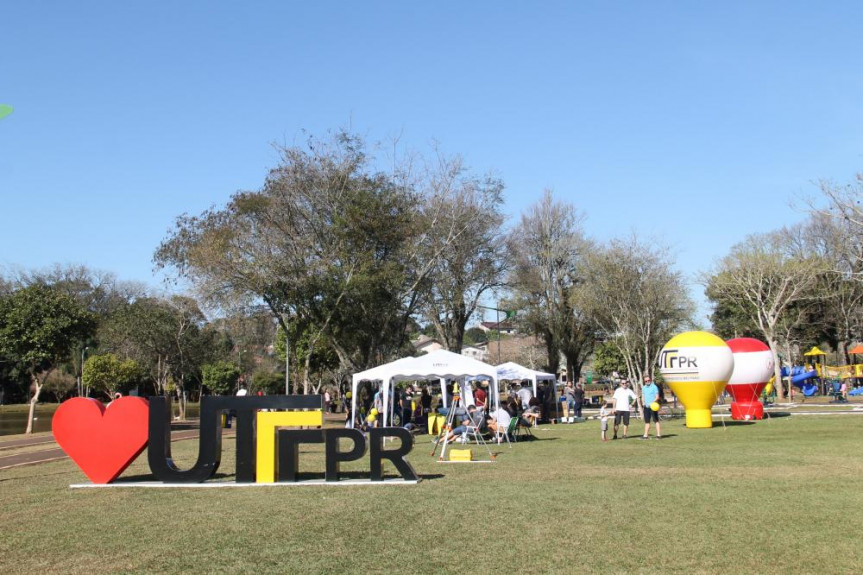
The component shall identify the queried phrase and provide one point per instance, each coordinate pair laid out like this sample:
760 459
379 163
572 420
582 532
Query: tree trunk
790 385
33 401
777 371
306 369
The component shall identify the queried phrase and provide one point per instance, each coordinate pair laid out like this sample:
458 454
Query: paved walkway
181 432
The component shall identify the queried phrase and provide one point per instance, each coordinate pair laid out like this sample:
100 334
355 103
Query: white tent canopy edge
440 364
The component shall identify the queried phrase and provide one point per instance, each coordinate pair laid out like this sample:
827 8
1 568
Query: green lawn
777 496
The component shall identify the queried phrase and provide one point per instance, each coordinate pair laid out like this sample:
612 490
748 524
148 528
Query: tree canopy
38 327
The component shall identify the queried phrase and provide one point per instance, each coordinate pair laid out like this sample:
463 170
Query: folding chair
521 429
472 432
505 433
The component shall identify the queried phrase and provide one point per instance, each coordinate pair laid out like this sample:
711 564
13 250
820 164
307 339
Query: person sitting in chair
532 413
499 421
475 419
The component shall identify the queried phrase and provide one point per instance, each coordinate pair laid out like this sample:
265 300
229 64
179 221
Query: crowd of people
412 404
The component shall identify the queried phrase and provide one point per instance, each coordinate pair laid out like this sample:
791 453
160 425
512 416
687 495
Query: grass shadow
431 476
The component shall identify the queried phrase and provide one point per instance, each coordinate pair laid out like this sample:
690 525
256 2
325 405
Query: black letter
210 441
159 450
335 457
288 446
378 453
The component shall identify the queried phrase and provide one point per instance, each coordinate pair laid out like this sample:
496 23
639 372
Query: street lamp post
81 377
239 367
497 316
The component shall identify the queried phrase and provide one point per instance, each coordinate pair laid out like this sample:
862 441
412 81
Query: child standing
603 421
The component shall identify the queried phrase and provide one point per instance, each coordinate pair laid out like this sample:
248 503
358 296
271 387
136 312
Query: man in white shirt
623 399
524 395
499 421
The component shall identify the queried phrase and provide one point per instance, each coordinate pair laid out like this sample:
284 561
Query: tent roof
436 364
380 372
857 349
814 351
441 363
511 370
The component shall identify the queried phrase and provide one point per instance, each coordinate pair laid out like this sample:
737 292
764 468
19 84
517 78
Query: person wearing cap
649 394
622 398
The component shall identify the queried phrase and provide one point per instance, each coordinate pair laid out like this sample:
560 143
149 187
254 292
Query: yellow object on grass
436 422
267 422
461 455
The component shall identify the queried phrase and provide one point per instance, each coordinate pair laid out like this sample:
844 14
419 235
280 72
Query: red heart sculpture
102 441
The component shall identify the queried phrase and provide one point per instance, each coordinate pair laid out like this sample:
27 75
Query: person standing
480 396
568 402
407 405
623 398
327 400
649 394
603 420
524 395
578 395
426 400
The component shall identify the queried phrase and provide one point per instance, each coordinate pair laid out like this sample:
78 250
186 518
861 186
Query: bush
220 377
269 382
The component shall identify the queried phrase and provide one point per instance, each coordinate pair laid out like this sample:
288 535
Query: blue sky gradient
695 123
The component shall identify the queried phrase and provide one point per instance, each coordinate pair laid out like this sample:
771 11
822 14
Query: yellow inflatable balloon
696 365
654 406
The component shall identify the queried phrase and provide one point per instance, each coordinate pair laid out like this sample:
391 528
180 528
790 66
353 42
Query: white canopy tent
513 371
440 365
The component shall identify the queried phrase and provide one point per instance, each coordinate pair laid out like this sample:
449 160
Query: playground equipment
753 366
696 365
802 378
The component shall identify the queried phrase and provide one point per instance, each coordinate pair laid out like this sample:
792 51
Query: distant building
503 327
524 350
474 352
425 344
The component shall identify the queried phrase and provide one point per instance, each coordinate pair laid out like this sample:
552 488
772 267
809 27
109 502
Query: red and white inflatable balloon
753 368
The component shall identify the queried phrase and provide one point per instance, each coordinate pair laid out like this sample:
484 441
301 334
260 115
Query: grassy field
772 497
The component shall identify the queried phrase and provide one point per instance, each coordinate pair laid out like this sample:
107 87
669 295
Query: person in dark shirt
426 400
578 396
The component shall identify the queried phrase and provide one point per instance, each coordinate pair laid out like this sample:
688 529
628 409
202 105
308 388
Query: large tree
845 210
838 306
466 247
167 337
37 327
637 299
327 240
763 278
548 249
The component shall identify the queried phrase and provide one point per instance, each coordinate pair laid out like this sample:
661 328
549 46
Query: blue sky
697 123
